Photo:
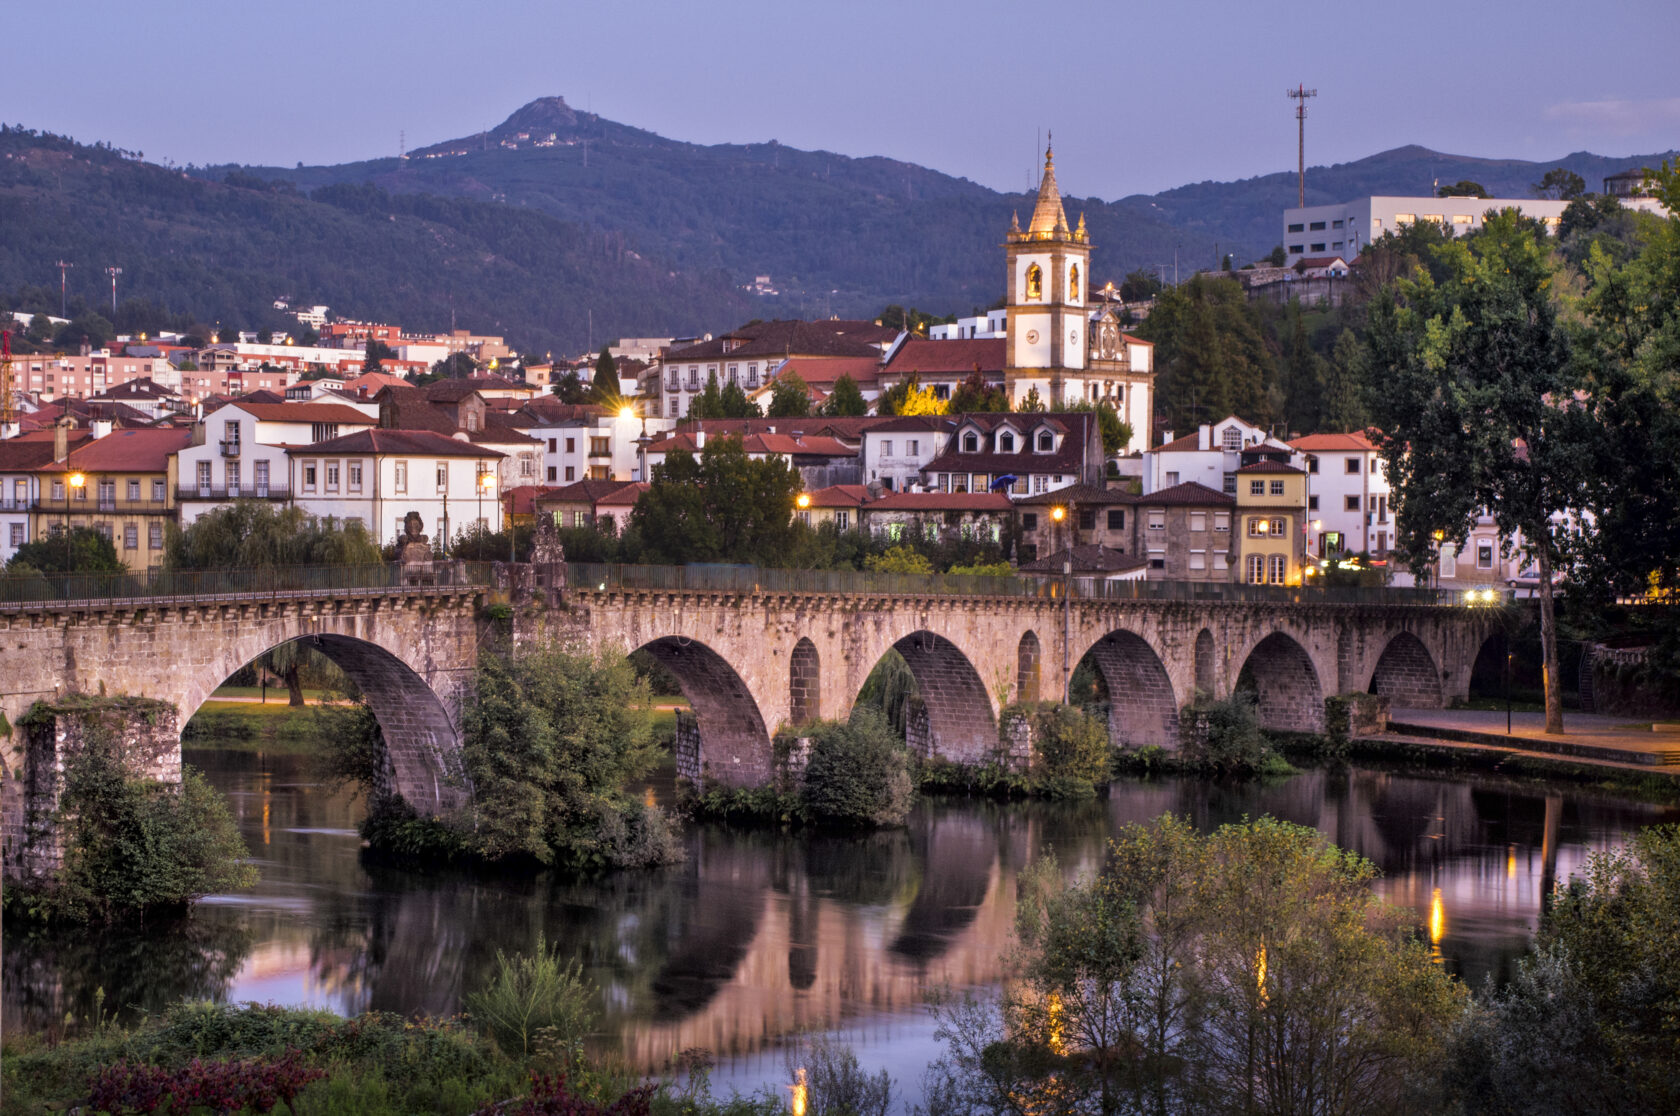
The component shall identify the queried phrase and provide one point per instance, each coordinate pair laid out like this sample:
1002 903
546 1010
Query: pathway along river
760 935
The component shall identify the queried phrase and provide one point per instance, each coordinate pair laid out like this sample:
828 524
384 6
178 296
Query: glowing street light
802 501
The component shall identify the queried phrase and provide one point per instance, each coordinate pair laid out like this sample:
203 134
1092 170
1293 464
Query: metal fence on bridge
41 589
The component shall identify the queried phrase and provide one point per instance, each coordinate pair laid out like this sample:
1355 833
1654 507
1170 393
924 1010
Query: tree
789 397
858 774
1116 433
845 401
228 334
1561 184
1032 402
975 395
709 405
1463 188
1303 372
1277 257
375 354
908 398
1344 386
733 402
88 328
455 366
723 507
1211 353
1477 411
570 388
899 559
1140 285
253 534
605 386
83 550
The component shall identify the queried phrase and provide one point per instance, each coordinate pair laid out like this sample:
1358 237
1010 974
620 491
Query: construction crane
1299 95
8 415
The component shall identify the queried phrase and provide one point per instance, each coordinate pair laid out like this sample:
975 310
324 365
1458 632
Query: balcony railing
232 492
230 449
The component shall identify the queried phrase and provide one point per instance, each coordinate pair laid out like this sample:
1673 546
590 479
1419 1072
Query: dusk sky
1141 97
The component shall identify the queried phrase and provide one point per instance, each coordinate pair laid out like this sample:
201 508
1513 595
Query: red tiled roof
28 452
626 496
1269 467
839 496
125 451
587 491
1187 444
423 443
1080 494
1087 558
781 444
300 412
1189 494
948 357
1321 443
940 501
521 499
784 338
816 370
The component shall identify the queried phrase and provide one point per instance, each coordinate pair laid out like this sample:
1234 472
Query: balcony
232 492
230 449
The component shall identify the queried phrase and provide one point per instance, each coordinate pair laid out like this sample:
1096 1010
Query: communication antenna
1299 95
63 296
402 143
113 272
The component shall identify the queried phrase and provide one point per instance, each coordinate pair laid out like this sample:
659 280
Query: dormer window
1006 442
1046 442
971 442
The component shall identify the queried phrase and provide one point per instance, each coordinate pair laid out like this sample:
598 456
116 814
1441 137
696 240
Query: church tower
1049 268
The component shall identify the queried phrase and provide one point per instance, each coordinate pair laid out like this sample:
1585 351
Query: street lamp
485 480
1057 514
77 480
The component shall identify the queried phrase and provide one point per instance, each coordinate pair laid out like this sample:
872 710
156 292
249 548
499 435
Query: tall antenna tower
63 289
113 272
1299 95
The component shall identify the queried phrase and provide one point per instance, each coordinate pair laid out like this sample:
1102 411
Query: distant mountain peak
545 114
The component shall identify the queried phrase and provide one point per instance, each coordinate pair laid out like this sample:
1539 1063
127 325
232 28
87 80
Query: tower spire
1048 219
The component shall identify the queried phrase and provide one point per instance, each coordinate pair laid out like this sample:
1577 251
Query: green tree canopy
1211 353
605 385
846 400
82 550
974 395
1116 432
455 366
569 387
723 507
1560 183
254 534
375 354
1463 188
1140 285
789 397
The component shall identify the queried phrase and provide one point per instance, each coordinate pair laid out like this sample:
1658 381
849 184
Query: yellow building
1271 514
121 485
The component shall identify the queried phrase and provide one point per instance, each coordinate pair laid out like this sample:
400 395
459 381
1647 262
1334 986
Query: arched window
1279 565
1006 442
971 442
1035 281
1256 569
1073 284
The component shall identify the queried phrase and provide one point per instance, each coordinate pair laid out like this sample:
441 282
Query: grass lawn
274 693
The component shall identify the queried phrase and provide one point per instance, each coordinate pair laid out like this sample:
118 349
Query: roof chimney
700 439
101 427
61 439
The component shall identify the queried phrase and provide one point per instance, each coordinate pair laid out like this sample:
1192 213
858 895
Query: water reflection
759 935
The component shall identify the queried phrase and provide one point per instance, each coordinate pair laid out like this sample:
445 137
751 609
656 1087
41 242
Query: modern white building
994 323
238 451
1210 457
896 451
376 477
1345 228
592 446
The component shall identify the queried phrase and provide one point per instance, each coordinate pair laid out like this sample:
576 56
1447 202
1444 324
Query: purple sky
1141 97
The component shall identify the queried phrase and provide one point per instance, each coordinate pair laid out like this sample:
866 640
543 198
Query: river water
759 935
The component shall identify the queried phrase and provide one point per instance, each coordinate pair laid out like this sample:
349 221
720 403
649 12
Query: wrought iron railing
276 582
753 579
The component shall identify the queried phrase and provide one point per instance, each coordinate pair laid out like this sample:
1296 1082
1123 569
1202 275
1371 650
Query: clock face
1073 337
1032 336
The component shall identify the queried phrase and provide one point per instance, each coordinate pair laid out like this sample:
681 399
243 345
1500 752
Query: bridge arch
1407 675
1290 697
1029 665
1206 662
1142 709
804 682
421 733
734 744
961 724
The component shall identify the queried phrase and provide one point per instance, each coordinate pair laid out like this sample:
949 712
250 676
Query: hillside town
367 422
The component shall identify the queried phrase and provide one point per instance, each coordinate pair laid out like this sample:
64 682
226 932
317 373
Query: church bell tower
1049 266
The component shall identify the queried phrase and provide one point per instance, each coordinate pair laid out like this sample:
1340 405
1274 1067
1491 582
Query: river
760 935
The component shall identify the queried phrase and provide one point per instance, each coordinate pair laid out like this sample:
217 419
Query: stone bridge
751 660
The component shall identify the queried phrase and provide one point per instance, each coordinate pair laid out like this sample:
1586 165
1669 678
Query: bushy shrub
1071 756
835 1084
239 1085
552 1096
859 772
1223 735
534 992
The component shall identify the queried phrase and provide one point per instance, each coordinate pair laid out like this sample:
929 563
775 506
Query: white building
994 323
376 477
1348 498
896 451
238 451
592 446
1345 228
1210 457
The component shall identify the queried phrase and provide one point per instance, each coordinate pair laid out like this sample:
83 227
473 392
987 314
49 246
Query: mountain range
560 228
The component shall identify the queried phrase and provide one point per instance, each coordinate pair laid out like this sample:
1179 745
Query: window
1157 519
309 471
1198 559
676 406
571 474
1231 438
1319 247
553 474
1336 224
886 448
1277 488
154 536
1220 560
1484 556
571 445
1352 467
230 477
131 536
1035 282
911 447
1312 464
1157 559
157 491
400 483
1088 519
971 442
1116 519
842 520
734 370
1230 485
1041 483
17 535
1073 283
332 476
58 490
1296 228
1461 218
600 447
1221 521
1046 442
895 531
1006 442
1277 567
134 491
1297 249
1198 521
1172 477
1399 219
1256 488
443 476
1312 503
1352 504
354 471
1316 226
321 431
1029 521
1258 527
1255 569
